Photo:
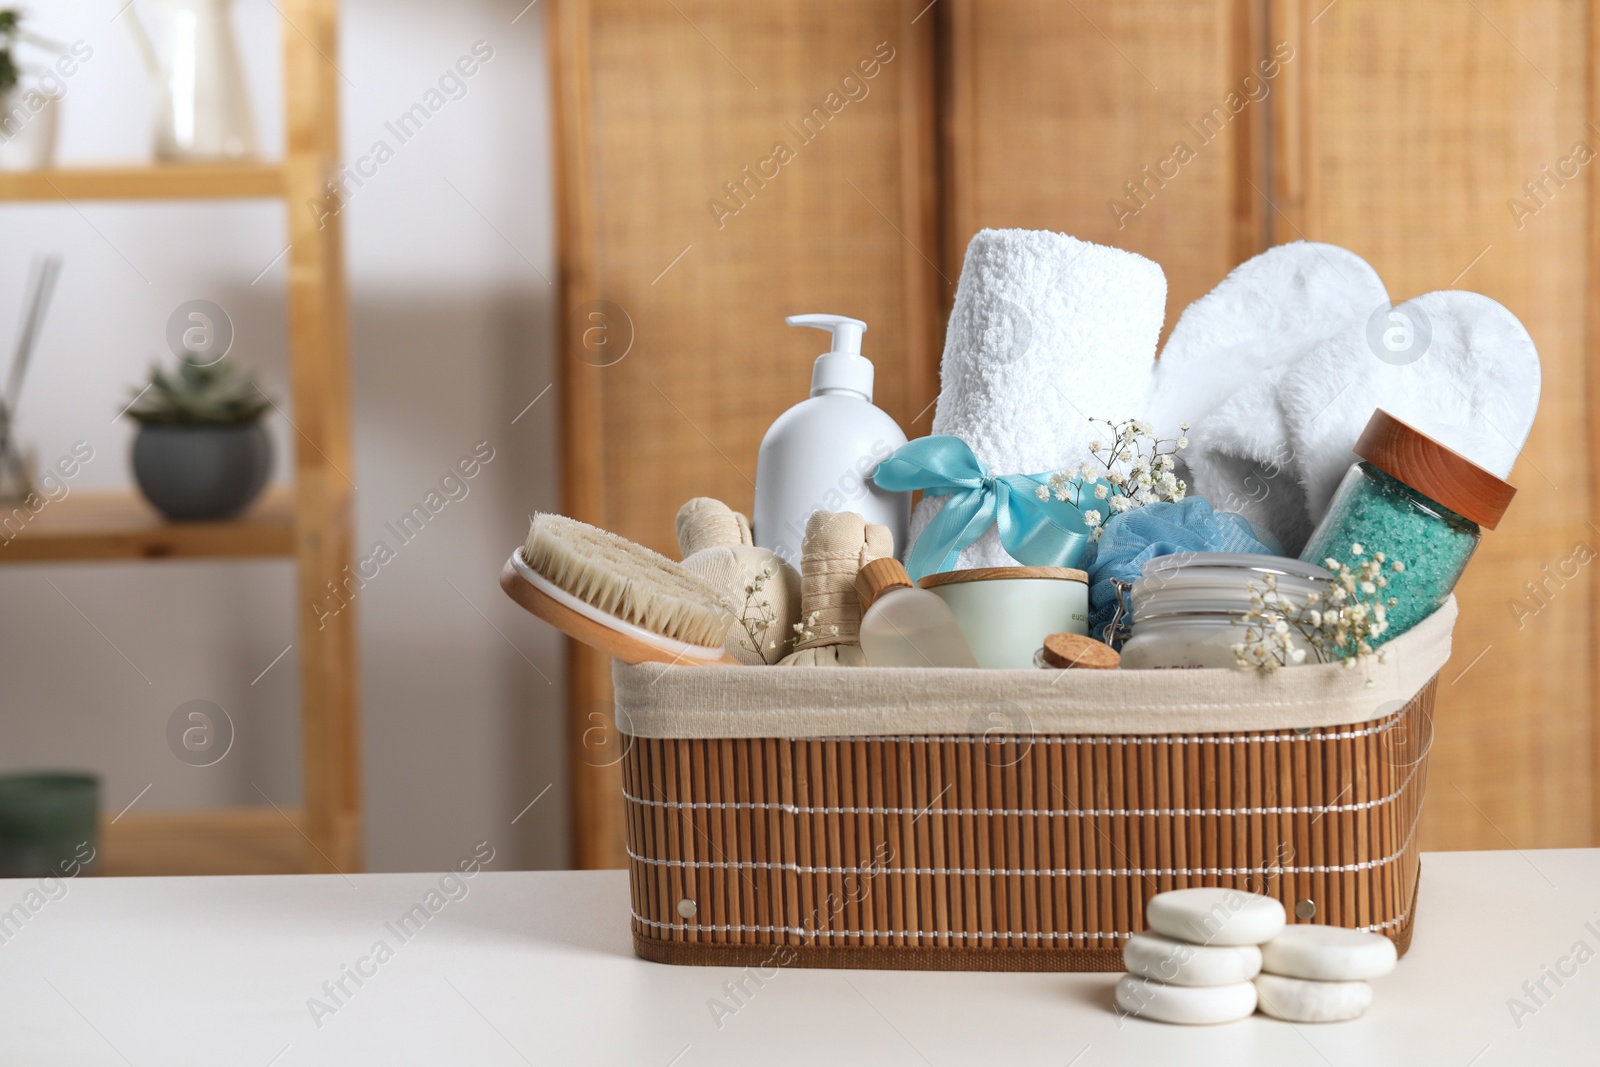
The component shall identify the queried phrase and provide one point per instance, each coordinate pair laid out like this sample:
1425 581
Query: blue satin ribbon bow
1040 533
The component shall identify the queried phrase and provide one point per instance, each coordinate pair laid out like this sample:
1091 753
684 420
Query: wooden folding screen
1070 117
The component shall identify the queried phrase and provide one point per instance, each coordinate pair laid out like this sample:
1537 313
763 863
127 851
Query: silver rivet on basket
1304 910
687 908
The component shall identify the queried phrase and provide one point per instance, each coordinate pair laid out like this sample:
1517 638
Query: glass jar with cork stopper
1421 504
903 626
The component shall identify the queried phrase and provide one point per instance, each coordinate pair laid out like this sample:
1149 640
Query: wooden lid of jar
989 574
1406 453
1067 651
877 575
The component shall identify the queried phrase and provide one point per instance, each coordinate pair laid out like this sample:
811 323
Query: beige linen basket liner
1013 820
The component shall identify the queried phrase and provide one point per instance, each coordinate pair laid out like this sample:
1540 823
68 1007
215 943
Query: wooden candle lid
876 576
1084 653
989 574
1439 473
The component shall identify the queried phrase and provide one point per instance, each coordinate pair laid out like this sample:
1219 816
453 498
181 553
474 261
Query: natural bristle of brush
627 580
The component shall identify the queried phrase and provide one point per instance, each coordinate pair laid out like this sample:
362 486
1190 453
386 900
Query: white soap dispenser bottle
817 456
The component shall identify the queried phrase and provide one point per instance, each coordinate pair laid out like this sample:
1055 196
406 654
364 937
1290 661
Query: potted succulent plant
201 452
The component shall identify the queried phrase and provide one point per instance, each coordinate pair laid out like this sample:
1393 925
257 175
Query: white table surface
537 968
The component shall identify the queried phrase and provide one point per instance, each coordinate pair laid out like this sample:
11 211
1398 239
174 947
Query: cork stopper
1407 454
876 576
1066 651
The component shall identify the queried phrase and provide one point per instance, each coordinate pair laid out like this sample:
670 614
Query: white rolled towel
1047 333
1221 367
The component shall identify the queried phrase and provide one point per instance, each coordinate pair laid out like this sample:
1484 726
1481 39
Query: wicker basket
1008 843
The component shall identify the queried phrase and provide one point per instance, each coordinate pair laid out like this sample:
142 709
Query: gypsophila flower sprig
756 615
1133 469
808 628
1339 623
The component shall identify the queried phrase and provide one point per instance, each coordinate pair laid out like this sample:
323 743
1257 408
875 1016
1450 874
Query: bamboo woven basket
1015 840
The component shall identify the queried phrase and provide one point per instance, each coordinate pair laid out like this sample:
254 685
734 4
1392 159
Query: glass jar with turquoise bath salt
1419 503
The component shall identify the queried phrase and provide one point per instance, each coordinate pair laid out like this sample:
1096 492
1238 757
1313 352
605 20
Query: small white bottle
817 455
903 626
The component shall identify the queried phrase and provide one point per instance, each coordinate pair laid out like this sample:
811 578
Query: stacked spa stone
1318 974
1216 955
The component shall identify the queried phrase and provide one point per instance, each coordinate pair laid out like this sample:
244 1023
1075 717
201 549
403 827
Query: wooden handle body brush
617 596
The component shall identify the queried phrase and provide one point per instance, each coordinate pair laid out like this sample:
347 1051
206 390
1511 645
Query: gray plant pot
202 472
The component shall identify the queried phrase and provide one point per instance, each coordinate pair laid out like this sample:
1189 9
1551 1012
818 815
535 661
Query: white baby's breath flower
1091 518
1349 615
1134 468
1043 492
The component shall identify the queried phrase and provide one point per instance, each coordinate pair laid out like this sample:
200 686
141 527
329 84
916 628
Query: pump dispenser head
843 366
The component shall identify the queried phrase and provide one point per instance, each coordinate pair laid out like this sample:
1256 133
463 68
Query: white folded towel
1047 332
1220 369
1458 366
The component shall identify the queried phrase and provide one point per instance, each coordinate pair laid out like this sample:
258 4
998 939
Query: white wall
449 256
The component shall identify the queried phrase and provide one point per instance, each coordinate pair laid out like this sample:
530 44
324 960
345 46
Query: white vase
28 127
203 108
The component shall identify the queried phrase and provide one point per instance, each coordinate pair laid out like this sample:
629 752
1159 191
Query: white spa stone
1298 1000
1328 954
1216 916
1188 1005
1180 963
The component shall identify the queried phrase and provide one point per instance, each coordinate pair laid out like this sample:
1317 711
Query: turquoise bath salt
1420 503
1383 514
